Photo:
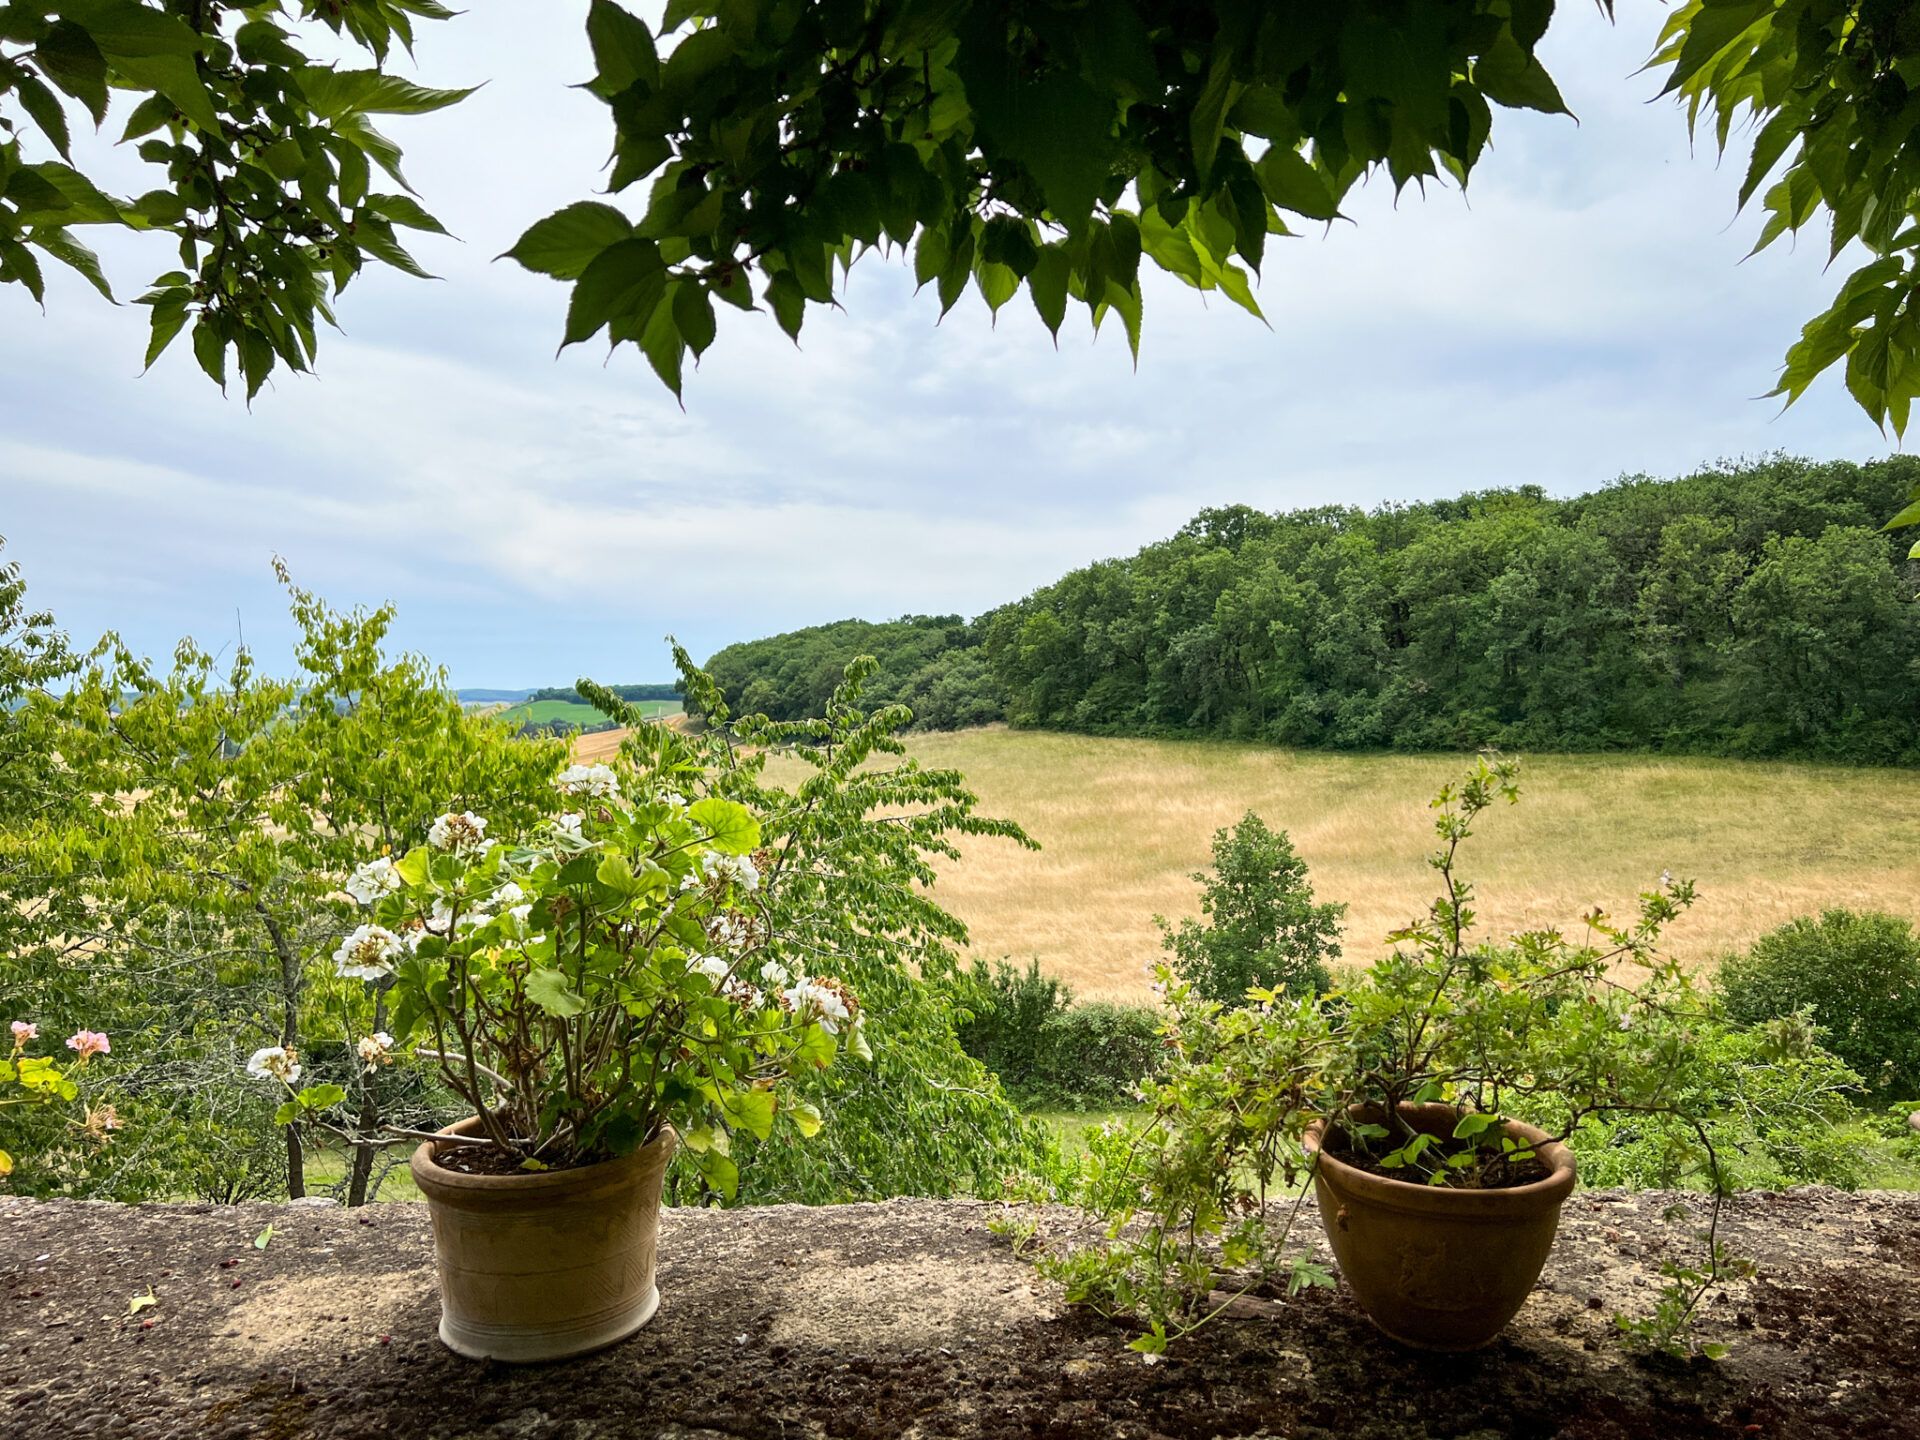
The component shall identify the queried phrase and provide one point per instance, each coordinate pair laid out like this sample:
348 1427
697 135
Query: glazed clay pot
1435 1268
548 1264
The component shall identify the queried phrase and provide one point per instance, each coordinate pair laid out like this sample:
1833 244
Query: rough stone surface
913 1319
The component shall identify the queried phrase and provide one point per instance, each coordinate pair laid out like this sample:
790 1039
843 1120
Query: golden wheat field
1122 823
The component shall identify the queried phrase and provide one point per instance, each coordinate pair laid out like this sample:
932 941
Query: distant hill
492 697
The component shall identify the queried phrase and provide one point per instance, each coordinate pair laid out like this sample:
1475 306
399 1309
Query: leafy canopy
1051 145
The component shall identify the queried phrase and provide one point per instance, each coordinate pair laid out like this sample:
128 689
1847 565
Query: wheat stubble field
1123 822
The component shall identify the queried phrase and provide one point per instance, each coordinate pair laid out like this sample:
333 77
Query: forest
1750 608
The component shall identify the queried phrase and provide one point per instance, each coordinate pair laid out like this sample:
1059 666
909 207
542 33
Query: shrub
1859 976
1025 1027
1263 930
1782 1114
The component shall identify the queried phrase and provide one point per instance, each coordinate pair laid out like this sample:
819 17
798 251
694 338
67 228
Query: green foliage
1827 86
1534 1024
1781 1112
847 870
599 976
1746 610
1856 975
1262 930
1054 146
1025 1027
201 896
930 663
264 159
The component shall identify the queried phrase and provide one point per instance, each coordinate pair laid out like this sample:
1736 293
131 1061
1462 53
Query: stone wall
912 1319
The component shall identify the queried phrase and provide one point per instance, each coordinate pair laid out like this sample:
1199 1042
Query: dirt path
911 1319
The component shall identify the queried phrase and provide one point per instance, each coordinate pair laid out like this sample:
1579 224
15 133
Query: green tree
1262 928
1822 648
230 809
850 826
1856 976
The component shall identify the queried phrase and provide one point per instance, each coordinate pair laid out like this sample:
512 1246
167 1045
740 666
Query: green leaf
125 30
1290 182
287 1113
567 241
623 49
376 237
414 865
67 56
719 1172
623 283
693 315
729 825
660 342
1510 76
69 251
263 1239
788 302
404 210
175 77
142 1302
752 1111
549 990
1473 1123
1210 107
1056 125
1048 286
17 264
806 1117
320 1097
43 106
336 94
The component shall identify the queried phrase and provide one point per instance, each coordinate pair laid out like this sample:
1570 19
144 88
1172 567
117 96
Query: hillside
1123 823
1752 610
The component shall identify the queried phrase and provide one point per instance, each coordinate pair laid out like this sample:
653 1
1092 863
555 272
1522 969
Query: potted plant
585 990
1427 1101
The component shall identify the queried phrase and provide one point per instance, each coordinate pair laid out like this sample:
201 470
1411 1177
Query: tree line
1745 609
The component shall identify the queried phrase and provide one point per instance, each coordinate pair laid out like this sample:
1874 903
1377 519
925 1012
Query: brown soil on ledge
911 1319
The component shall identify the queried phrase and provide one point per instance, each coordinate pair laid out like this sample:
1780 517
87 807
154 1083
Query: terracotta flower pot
1435 1268
544 1265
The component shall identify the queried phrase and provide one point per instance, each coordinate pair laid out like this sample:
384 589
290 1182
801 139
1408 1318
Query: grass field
1123 822
545 712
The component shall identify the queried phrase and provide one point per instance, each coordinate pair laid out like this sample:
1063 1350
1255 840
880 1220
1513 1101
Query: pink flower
22 1033
88 1043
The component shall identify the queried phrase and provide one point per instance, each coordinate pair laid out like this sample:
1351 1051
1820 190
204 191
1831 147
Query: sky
1584 314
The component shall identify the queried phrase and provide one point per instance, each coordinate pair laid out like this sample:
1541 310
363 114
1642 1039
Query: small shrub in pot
595 991
1402 1098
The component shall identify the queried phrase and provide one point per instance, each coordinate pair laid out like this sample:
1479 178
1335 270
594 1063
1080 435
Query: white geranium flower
376 1049
809 998
508 895
441 916
675 799
738 868
521 914
711 966
277 1063
776 974
368 953
372 880
568 824
595 781
458 833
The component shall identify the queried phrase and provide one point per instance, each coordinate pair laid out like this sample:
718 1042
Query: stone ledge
911 1319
